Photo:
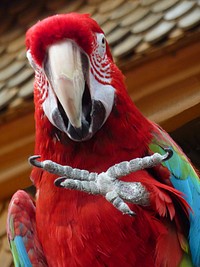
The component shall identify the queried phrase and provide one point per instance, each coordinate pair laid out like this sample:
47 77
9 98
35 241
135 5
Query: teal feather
185 179
20 255
19 252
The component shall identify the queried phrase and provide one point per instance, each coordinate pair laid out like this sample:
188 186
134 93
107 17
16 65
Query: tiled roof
134 30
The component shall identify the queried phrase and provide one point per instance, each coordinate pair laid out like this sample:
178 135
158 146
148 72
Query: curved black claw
34 162
169 153
132 214
59 180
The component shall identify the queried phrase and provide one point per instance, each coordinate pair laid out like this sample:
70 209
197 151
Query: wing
185 179
25 247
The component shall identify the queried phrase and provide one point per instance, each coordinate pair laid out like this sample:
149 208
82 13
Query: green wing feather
185 179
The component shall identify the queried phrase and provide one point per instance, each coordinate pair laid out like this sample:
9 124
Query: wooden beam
167 87
17 144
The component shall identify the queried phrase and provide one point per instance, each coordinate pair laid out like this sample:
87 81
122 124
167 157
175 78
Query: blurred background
154 42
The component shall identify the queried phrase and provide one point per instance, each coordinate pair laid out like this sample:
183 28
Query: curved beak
65 74
75 102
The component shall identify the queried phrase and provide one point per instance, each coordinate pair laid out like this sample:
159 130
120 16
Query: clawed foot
106 183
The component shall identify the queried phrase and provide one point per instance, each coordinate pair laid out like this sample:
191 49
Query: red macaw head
74 73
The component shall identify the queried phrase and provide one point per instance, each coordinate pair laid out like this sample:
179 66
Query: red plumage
77 229
73 26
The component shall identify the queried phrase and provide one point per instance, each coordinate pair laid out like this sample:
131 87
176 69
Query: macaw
113 189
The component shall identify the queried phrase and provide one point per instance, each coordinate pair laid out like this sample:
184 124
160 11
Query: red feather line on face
77 27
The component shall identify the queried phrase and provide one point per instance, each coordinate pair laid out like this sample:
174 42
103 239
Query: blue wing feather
185 179
20 254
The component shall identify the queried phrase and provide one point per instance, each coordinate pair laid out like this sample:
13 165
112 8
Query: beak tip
76 125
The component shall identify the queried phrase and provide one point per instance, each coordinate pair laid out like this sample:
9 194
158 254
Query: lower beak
65 74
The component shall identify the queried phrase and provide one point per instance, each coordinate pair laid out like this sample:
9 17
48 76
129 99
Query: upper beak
73 104
66 77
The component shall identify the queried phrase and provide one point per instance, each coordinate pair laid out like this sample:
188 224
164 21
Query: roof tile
147 2
71 6
190 20
117 35
11 35
6 60
126 46
11 70
100 19
145 24
159 32
109 26
2 49
26 90
176 34
142 47
179 10
17 102
2 85
109 5
163 5
123 10
6 96
88 9
21 55
20 78
16 44
135 16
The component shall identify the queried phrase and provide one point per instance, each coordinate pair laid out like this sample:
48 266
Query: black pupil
103 40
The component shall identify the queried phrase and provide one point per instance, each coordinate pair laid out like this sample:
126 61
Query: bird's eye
101 44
